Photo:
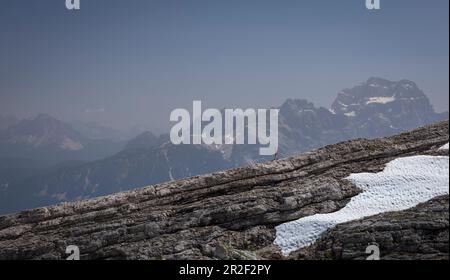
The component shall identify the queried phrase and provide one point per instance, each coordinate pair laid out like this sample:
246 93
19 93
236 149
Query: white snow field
445 147
403 184
381 100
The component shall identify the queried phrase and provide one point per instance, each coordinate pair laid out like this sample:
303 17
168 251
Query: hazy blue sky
126 62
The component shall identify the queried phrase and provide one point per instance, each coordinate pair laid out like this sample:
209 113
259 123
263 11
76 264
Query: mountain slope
381 107
42 132
129 169
226 215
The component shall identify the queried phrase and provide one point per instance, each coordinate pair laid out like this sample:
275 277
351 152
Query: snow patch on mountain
445 147
351 114
381 100
71 145
403 184
166 157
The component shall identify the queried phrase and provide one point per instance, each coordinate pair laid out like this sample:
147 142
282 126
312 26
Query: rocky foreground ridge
233 214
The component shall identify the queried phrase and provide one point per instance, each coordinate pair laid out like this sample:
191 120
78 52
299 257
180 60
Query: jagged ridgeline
236 214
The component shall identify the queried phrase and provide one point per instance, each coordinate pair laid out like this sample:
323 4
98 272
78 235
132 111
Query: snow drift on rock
404 183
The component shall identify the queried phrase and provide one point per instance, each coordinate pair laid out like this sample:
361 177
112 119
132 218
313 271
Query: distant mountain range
50 141
376 108
94 130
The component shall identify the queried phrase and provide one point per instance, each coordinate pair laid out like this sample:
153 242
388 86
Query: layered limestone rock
417 233
233 214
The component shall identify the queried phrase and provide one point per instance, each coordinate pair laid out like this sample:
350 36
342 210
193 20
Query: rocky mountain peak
391 101
297 105
144 140
44 131
300 111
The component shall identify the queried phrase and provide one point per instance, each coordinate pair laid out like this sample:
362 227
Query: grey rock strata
417 233
229 214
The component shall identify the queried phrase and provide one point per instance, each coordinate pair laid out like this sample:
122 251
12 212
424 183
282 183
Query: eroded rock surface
417 233
224 215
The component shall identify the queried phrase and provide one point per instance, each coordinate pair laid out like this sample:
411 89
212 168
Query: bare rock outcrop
232 214
417 233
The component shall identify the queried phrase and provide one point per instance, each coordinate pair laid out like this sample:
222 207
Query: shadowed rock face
232 214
